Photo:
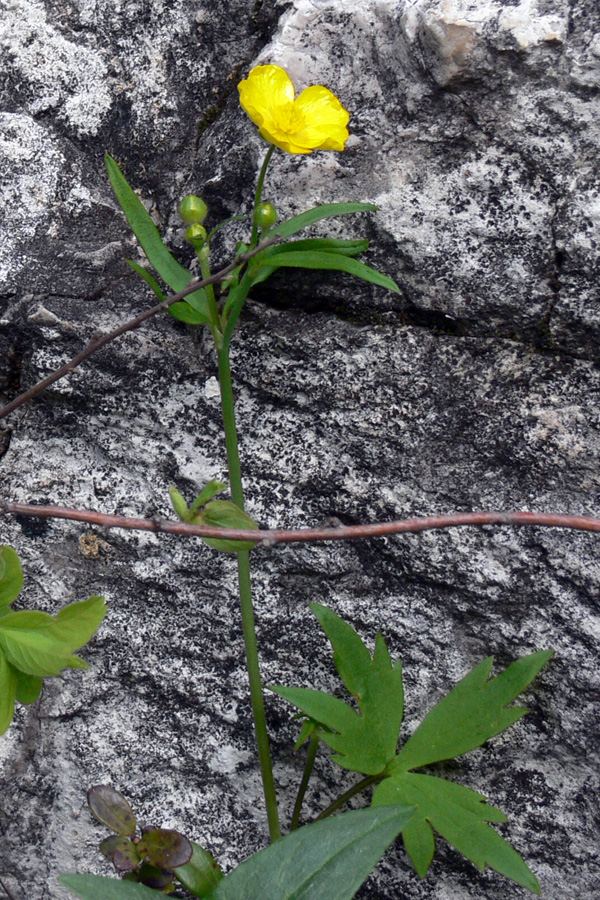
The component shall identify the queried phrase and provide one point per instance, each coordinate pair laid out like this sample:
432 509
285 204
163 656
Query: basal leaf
8 687
364 741
172 272
97 887
315 259
474 711
186 313
460 816
110 807
327 860
11 575
201 873
342 247
316 214
165 848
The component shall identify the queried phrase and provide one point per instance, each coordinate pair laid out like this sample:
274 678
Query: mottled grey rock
475 130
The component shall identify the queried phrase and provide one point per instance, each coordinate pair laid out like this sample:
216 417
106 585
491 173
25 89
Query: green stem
248 626
258 195
308 767
351 792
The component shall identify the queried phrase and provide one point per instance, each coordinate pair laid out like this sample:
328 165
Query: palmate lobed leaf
460 816
366 741
473 711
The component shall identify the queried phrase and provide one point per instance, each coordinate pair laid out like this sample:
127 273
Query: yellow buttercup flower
315 120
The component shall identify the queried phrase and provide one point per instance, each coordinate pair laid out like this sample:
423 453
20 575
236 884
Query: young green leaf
366 741
460 816
76 623
172 272
98 887
186 313
179 505
209 491
473 711
11 575
316 214
201 873
225 514
314 259
8 688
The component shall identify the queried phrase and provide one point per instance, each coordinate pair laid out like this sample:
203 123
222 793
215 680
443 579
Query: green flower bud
196 235
193 209
265 215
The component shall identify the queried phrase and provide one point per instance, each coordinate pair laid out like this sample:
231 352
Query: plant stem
248 626
258 194
308 767
351 792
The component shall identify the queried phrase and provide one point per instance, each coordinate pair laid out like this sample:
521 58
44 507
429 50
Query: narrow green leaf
473 711
342 247
11 575
328 210
145 274
8 687
313 259
460 816
97 887
172 272
351 657
186 313
328 860
201 873
29 687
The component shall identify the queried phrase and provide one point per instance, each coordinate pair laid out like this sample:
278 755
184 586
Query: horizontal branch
306 535
100 340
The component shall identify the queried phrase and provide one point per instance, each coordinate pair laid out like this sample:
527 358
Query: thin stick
306 535
100 340
308 767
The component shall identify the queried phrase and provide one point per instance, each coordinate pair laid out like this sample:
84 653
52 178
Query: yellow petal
265 87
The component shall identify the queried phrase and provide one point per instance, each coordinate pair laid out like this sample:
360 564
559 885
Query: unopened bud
193 209
196 235
265 215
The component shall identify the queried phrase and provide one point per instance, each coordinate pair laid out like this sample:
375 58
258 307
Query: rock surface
475 130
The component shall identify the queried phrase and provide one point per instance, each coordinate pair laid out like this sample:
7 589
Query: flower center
289 118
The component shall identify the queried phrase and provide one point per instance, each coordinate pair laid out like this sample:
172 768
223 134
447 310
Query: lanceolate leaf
201 873
327 211
325 245
460 816
11 576
315 259
473 711
145 274
172 272
8 687
327 860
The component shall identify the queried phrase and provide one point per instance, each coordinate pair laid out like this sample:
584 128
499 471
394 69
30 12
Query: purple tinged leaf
111 808
165 848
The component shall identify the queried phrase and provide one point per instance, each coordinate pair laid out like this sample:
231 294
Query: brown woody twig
100 340
306 535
